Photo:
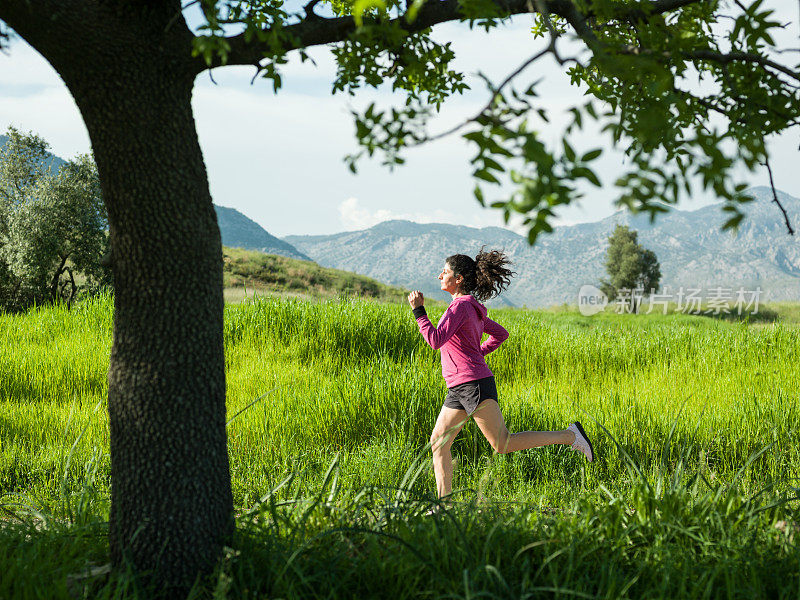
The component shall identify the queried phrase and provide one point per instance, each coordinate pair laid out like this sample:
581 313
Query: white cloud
33 98
50 113
354 216
22 66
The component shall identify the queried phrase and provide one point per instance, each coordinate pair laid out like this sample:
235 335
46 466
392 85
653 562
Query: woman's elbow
433 343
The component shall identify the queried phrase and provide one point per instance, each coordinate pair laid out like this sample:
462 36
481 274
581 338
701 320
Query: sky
278 158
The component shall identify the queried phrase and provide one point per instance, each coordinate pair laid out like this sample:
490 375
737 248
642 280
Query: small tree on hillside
52 225
630 266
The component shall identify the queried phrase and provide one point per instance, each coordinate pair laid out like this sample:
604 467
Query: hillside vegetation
248 271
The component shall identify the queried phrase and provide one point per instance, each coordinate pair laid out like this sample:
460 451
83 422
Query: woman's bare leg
448 424
493 426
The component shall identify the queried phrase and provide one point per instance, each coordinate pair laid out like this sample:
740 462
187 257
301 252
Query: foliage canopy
637 76
632 269
52 225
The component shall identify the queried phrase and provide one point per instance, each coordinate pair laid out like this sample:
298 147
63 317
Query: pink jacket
459 338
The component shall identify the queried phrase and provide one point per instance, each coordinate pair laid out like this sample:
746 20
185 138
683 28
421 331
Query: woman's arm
449 323
497 335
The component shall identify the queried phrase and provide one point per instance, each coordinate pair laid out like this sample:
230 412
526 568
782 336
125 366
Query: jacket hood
479 308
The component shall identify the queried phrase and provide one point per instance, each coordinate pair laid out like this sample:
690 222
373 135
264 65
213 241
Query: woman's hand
416 299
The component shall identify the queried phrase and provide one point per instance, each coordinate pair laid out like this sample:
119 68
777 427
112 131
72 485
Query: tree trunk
56 277
131 75
171 504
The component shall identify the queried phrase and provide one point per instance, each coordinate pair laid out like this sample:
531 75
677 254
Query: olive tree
52 225
630 267
131 65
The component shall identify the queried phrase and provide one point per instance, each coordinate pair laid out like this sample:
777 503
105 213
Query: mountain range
691 248
238 231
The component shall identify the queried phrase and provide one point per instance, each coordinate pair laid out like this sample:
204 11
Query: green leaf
486 176
478 192
578 120
411 13
362 6
488 163
733 222
475 136
568 151
591 155
586 173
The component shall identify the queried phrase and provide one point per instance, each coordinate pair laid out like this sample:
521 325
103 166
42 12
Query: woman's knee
441 440
499 443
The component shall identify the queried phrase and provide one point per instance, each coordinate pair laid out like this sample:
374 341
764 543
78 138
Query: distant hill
238 231
261 272
404 253
692 250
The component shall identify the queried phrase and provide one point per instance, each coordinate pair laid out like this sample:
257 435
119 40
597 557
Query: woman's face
450 282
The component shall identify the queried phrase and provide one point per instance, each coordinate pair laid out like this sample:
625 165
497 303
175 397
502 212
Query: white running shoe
581 443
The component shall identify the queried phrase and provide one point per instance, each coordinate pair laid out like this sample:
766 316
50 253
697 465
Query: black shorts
467 396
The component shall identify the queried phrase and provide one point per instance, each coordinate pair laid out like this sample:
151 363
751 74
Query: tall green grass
680 409
355 377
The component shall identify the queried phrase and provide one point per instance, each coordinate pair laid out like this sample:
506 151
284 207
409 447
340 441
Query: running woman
471 389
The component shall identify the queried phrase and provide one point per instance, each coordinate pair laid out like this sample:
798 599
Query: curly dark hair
485 276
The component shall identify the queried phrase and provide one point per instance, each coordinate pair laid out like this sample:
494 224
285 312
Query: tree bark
131 74
56 277
171 504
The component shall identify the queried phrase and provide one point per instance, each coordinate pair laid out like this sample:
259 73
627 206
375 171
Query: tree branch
717 57
488 105
742 57
724 111
315 30
551 48
309 10
775 197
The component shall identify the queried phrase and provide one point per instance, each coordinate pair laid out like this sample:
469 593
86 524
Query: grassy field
694 420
